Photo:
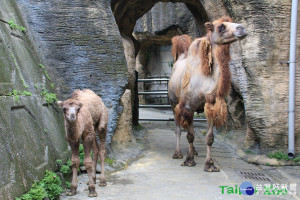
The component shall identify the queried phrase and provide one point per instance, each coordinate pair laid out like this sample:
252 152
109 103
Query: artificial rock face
79 43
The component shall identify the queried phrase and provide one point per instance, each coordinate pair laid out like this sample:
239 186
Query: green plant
16 94
26 93
12 24
248 151
69 162
64 169
278 155
50 97
59 162
49 187
138 127
296 159
110 161
36 192
52 184
67 184
81 154
170 64
45 71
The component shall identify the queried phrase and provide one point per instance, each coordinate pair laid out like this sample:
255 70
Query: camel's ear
60 103
209 26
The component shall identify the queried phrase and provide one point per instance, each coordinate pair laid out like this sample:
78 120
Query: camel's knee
210 139
74 185
75 162
88 163
190 137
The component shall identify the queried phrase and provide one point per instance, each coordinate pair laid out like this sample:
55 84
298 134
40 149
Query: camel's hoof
210 167
92 192
72 192
188 162
177 155
195 153
102 183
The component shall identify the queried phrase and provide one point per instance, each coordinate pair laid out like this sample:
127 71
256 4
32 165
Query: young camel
200 81
84 115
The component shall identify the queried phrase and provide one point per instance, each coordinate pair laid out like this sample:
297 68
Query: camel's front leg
75 164
209 163
189 161
177 154
87 144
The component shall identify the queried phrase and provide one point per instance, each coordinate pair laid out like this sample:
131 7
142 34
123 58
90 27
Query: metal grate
253 175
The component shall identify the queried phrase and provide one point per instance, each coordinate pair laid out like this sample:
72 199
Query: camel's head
70 108
224 31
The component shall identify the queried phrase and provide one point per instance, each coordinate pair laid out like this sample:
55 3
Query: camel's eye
221 28
64 110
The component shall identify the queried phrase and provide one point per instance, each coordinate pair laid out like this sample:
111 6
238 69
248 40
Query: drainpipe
292 66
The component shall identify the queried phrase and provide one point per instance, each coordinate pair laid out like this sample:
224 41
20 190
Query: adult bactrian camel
200 81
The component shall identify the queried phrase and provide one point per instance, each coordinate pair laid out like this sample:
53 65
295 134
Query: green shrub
278 155
52 184
37 192
49 187
65 169
282 156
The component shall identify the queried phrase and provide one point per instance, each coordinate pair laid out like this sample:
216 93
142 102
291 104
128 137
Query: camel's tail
180 45
183 115
217 112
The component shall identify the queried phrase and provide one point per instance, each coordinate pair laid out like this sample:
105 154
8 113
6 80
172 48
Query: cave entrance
157 65
146 28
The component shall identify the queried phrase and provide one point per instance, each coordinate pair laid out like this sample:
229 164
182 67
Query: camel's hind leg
102 129
189 161
209 163
95 159
177 154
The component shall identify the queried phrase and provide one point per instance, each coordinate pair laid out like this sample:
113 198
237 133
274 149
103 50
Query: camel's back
91 101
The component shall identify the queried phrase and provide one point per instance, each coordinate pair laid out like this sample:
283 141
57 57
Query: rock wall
32 133
81 43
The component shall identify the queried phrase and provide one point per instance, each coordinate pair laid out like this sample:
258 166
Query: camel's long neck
71 129
222 55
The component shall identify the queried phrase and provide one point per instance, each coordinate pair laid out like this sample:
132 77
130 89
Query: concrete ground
157 176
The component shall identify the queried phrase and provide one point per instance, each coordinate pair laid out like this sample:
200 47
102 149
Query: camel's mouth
240 32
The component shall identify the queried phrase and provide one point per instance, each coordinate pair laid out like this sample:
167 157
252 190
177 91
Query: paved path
158 176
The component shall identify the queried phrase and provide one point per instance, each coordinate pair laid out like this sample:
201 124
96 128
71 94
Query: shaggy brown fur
180 45
223 58
183 115
205 56
216 113
85 114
